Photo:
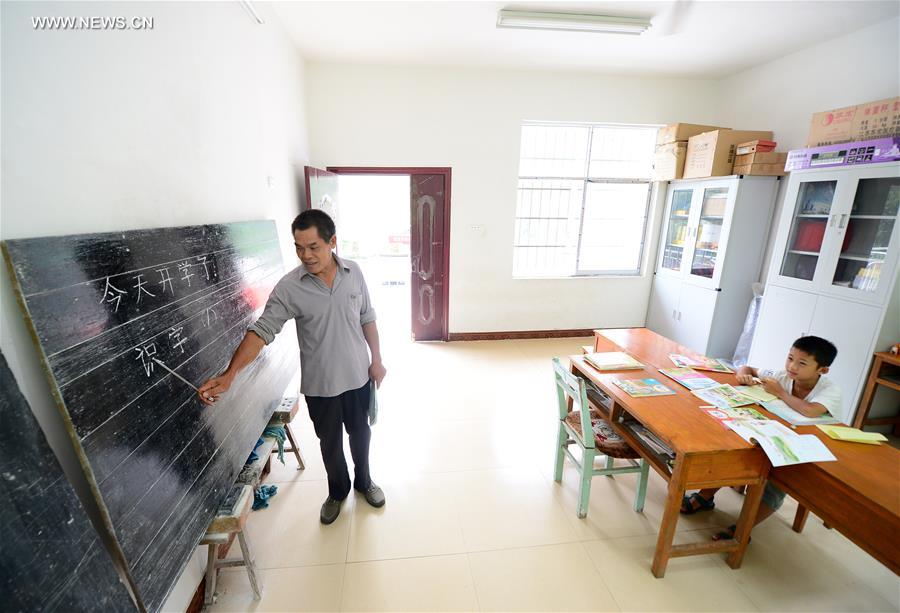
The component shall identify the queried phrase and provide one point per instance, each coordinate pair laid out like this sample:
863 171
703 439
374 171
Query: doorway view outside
373 230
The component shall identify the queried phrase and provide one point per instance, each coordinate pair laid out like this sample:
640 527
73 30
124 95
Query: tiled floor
474 521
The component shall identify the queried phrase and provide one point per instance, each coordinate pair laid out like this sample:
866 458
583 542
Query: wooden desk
706 454
859 495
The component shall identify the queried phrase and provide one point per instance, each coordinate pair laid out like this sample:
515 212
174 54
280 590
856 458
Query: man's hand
210 391
773 387
377 371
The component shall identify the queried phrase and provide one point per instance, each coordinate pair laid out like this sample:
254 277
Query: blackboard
52 559
102 308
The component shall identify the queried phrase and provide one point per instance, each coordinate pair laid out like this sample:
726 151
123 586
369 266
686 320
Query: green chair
596 438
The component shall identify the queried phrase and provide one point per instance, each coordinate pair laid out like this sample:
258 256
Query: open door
429 236
321 191
427 192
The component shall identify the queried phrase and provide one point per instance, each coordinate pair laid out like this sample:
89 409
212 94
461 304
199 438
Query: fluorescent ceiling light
572 22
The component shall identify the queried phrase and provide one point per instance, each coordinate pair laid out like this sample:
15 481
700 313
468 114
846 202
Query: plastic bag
742 351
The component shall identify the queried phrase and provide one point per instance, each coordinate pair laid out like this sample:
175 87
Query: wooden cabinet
711 248
833 271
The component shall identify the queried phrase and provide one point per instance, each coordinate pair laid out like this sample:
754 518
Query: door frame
418 170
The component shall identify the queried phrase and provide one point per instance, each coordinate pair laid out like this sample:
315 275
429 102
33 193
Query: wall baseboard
522 334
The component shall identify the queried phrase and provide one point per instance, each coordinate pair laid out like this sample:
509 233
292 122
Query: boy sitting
803 387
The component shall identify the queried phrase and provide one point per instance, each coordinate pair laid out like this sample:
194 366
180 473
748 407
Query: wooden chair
594 436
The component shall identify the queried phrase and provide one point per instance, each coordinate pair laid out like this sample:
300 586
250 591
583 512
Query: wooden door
322 192
428 283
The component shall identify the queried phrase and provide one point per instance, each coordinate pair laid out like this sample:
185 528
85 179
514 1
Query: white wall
470 120
782 95
106 130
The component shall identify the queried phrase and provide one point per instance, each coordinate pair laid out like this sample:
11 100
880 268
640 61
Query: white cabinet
788 316
834 271
839 233
662 314
711 246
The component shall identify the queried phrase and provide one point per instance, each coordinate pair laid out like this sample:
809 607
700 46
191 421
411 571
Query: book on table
783 447
613 360
699 363
689 378
723 396
785 412
756 392
723 416
641 388
852 435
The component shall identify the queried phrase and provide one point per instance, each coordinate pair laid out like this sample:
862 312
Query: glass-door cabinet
842 236
676 229
695 229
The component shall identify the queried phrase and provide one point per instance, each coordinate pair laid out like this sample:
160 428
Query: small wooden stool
283 416
230 519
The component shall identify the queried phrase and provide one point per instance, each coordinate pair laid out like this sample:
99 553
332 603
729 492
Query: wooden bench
283 416
230 520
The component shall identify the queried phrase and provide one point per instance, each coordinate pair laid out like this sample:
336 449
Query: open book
689 378
723 396
782 410
782 445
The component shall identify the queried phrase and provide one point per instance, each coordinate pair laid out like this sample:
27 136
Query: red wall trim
520 334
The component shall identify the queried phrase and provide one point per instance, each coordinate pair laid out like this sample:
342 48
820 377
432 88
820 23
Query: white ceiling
708 39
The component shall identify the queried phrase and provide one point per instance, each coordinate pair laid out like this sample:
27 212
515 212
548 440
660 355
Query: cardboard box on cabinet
712 154
681 131
869 121
668 161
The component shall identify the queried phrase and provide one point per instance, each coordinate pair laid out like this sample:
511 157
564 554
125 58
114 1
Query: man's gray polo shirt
334 356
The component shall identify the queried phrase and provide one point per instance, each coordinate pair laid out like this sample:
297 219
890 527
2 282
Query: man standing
328 299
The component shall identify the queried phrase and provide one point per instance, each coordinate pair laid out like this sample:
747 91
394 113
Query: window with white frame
583 197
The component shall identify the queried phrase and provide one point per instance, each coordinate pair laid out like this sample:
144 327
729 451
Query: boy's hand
744 379
773 387
744 376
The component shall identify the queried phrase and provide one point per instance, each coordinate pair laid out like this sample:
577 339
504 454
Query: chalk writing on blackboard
145 355
175 338
186 274
211 315
112 295
165 279
202 260
139 286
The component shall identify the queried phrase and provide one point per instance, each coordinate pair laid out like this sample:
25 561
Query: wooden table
706 454
859 495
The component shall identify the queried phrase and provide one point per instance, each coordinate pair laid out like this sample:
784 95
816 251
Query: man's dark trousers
330 415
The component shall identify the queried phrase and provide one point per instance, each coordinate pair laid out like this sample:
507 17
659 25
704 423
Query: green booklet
723 396
641 388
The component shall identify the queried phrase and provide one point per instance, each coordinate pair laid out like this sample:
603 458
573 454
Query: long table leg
669 519
745 523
